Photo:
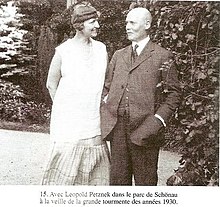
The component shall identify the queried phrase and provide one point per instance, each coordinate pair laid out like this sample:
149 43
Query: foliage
112 31
36 13
191 31
17 60
112 22
11 37
14 105
16 56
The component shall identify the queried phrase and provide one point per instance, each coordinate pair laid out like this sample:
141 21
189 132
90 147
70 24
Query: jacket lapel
126 55
145 54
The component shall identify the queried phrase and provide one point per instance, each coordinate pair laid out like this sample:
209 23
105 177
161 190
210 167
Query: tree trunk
46 48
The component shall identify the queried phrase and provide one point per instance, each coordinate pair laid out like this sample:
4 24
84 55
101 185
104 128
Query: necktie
135 55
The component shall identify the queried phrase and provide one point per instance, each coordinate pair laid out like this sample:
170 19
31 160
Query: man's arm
152 124
171 91
109 77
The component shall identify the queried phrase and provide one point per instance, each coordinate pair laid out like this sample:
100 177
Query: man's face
136 25
90 27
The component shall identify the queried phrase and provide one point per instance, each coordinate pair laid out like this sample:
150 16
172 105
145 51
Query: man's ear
147 25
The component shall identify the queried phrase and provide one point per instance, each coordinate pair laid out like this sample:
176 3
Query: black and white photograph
109 103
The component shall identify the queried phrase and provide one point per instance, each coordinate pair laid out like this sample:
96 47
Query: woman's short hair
82 12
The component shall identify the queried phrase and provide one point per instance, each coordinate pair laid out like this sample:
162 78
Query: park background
31 29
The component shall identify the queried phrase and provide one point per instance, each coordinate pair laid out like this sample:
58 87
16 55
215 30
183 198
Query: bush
191 31
16 107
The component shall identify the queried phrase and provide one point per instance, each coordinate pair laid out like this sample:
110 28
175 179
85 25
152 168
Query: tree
16 64
12 41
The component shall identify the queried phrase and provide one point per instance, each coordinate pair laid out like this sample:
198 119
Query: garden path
23 157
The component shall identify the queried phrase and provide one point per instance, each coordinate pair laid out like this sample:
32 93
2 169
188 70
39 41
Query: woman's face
90 27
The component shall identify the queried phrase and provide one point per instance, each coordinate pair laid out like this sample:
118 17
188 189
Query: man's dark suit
146 97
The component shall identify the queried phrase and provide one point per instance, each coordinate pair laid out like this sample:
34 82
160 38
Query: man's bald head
141 13
138 22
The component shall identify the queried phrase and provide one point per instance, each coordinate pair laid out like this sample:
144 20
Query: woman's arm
54 75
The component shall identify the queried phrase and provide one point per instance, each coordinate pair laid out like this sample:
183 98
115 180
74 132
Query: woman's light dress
78 155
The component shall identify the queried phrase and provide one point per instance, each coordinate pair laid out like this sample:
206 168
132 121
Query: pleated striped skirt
84 163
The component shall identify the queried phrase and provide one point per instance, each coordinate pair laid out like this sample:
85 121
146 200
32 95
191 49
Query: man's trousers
128 159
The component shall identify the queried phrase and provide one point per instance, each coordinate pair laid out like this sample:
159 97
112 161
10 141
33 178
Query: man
135 109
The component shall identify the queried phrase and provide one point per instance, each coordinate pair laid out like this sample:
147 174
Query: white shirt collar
141 44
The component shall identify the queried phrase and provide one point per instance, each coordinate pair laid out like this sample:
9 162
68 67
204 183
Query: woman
75 82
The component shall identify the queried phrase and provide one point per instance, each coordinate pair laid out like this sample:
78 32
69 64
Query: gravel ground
23 157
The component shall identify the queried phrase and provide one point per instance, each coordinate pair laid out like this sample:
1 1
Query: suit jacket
152 89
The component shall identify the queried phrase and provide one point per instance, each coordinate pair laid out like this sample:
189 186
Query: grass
24 126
